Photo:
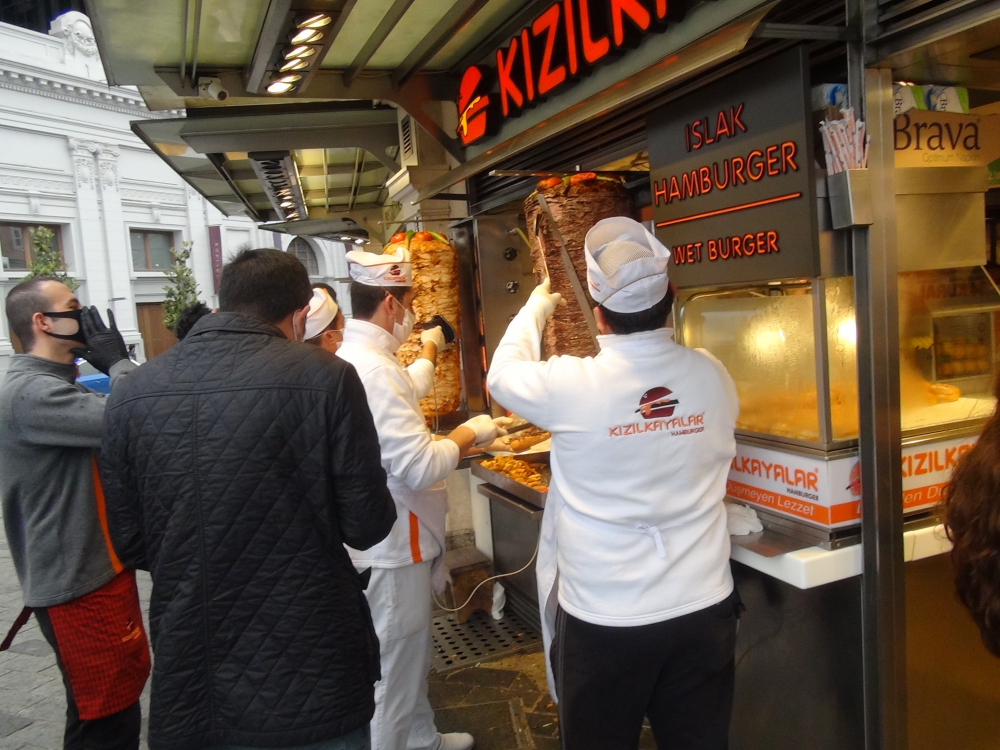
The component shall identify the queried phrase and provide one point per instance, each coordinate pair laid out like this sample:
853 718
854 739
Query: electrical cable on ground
491 578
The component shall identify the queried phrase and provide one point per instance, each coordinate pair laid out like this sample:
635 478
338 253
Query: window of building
15 244
304 252
151 250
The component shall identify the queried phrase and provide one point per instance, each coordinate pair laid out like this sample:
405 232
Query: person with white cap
324 322
325 329
638 603
408 563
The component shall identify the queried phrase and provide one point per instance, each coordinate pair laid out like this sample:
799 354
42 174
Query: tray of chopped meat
526 477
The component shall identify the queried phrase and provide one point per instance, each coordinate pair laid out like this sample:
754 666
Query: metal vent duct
408 149
279 176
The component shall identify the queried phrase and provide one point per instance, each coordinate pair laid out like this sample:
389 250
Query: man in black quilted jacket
236 466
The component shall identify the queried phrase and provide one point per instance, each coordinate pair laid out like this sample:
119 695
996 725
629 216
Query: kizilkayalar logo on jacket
657 402
657 407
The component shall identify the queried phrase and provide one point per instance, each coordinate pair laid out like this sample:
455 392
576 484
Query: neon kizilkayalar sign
564 42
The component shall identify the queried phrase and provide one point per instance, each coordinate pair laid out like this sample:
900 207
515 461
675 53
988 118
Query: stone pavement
504 703
32 696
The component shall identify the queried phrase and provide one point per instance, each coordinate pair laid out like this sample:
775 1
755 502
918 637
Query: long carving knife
574 280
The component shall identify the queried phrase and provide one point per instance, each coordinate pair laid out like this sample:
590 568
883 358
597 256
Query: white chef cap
388 269
322 312
626 265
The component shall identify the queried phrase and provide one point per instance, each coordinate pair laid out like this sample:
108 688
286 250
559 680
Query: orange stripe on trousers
415 538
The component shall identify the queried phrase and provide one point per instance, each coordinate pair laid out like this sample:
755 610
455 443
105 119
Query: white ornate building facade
69 162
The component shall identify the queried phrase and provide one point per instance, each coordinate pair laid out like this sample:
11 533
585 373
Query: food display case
790 346
790 349
948 338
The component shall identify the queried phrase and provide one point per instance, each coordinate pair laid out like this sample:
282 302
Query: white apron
547 568
547 577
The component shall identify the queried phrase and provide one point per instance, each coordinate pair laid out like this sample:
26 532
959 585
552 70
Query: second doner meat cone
577 203
435 279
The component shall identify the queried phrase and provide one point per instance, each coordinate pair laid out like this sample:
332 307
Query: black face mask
71 315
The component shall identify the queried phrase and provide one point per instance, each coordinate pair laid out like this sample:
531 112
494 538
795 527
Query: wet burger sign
565 41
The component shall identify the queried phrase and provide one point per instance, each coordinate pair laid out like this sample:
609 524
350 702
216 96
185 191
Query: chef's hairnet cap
388 269
626 265
322 312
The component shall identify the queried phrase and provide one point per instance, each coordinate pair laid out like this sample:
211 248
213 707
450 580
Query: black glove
105 346
439 322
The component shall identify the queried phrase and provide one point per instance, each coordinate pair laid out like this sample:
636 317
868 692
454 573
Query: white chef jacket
635 510
416 464
421 372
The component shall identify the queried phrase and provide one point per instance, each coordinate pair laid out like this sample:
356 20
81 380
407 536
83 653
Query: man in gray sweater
53 510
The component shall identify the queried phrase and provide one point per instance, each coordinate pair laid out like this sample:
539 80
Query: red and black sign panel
733 179
565 41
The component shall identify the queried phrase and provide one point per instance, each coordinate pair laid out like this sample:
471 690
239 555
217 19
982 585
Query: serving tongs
518 427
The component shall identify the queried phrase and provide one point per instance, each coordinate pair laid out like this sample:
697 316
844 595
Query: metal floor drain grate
478 639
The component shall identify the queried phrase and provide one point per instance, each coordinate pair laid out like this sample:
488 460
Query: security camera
211 88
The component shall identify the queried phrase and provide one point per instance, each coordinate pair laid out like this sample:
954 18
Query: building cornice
76 90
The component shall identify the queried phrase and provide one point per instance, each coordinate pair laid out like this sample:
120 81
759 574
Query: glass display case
790 347
948 324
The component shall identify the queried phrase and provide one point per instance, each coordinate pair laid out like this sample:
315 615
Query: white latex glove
487 429
547 300
742 520
435 336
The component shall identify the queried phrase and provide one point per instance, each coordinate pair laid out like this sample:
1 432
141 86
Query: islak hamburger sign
564 42
731 177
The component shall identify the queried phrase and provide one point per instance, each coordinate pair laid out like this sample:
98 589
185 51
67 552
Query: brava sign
734 191
947 139
564 42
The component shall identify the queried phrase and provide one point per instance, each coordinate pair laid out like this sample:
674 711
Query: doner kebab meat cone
435 280
577 203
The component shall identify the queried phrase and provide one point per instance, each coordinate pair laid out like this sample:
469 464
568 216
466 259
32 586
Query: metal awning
302 77
237 161
405 52
342 146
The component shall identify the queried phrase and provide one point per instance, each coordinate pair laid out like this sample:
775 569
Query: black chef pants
120 731
678 673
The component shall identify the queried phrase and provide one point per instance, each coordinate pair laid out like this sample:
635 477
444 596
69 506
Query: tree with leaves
45 258
182 289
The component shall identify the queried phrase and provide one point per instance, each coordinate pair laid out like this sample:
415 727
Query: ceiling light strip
279 177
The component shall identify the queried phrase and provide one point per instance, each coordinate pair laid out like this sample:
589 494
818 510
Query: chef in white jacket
408 563
325 329
639 608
